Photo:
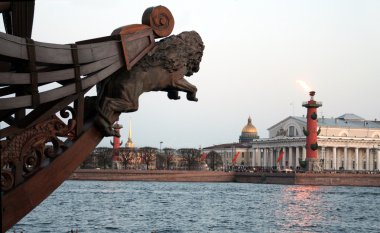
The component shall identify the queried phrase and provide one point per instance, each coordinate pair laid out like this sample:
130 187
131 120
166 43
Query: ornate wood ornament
23 154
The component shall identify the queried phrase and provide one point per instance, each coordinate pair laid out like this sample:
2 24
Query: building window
250 155
242 155
331 164
365 165
353 165
291 131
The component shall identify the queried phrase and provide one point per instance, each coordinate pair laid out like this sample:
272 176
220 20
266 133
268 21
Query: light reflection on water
92 206
303 207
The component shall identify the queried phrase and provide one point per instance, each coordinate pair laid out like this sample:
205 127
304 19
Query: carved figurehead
173 58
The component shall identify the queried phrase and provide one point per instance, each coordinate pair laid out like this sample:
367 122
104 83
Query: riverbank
324 179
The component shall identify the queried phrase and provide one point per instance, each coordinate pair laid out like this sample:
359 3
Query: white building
348 142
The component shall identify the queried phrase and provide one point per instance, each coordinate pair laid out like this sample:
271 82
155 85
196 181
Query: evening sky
255 51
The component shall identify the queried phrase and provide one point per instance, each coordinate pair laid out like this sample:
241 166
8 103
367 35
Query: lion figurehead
172 58
175 52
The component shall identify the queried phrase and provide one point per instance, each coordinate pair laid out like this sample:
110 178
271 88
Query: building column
253 157
367 159
284 158
334 158
303 153
259 157
270 157
297 156
323 151
356 159
345 159
274 156
378 160
265 157
291 157
372 156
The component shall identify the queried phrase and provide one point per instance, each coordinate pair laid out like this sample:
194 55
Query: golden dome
249 128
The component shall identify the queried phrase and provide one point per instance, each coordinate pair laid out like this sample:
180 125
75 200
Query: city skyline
255 53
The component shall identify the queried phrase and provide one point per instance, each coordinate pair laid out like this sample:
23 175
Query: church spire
129 143
130 130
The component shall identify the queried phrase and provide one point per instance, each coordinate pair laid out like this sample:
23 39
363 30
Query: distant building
347 142
243 148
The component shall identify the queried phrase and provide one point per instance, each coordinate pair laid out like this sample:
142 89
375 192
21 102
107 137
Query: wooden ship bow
47 129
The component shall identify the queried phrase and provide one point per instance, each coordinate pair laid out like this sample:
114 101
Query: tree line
148 158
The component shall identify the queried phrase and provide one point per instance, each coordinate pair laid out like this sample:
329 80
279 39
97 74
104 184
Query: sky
255 51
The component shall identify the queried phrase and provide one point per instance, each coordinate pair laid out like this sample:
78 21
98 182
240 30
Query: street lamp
157 160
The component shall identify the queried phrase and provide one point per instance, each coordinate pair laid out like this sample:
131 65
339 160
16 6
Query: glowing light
304 85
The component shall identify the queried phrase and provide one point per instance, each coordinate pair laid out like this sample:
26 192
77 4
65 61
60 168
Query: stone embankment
332 179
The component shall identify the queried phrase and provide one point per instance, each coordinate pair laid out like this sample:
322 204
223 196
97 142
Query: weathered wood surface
104 58
5 6
39 114
11 78
136 45
60 92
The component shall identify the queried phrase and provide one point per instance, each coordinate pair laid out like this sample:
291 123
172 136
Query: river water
94 206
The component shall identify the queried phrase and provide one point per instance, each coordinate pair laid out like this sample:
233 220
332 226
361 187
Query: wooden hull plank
61 92
16 47
11 78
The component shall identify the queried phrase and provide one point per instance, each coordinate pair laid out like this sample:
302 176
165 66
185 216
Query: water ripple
95 206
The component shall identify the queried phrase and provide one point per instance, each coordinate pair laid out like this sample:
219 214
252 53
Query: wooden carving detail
23 154
174 57
160 19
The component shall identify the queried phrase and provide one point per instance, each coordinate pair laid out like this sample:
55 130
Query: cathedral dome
249 128
248 133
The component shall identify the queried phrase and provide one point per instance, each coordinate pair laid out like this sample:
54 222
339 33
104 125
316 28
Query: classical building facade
229 150
347 142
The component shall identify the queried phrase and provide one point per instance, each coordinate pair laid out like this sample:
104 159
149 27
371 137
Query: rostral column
312 161
116 146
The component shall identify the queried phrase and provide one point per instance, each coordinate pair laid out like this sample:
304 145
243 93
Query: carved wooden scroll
160 19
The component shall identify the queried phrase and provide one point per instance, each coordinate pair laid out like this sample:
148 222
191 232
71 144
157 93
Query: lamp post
157 160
